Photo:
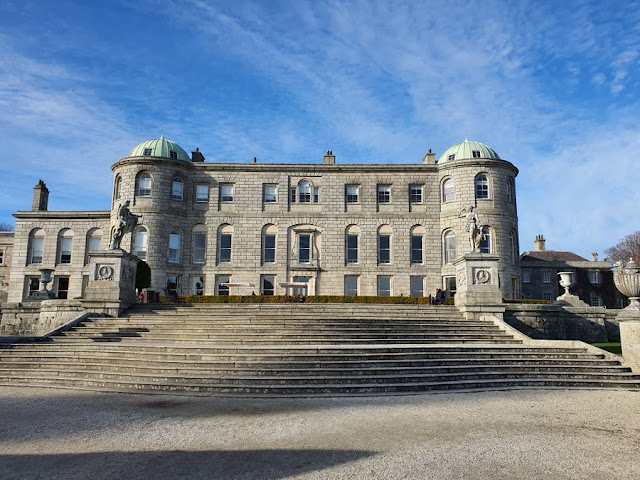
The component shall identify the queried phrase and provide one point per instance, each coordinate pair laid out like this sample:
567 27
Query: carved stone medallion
105 272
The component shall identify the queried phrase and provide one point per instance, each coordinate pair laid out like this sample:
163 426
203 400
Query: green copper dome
160 147
468 150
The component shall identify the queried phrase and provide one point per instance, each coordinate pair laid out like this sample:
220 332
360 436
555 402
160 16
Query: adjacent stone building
593 279
6 249
319 229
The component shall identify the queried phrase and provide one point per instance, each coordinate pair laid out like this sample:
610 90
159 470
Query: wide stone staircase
300 349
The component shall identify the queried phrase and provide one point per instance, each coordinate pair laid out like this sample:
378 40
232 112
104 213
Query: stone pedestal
111 287
477 281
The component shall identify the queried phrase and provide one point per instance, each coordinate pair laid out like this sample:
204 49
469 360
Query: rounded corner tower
472 175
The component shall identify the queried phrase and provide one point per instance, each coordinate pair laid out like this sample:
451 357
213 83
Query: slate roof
551 256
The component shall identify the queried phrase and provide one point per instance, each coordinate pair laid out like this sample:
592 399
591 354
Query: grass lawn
613 347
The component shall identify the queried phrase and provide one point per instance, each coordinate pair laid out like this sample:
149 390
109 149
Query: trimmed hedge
293 299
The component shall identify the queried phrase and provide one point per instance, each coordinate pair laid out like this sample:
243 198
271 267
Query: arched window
94 242
448 190
36 243
141 239
485 244
514 248
510 191
200 244
177 188
175 238
65 244
225 237
352 240
144 185
269 237
304 191
449 247
384 245
482 187
418 233
117 191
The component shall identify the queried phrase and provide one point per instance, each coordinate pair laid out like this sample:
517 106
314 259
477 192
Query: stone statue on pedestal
474 227
127 221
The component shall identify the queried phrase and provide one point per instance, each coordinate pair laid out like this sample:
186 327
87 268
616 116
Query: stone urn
45 278
627 280
566 281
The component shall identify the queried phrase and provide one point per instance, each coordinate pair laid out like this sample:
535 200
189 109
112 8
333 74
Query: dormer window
476 154
173 155
452 157
147 152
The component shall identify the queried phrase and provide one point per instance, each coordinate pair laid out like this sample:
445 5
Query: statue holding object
473 228
127 221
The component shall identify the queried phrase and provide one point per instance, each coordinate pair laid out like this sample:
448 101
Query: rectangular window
353 193
95 244
476 153
268 285
172 285
351 285
33 285
173 155
526 276
451 157
199 247
269 249
416 249
384 286
225 248
270 194
384 193
546 276
292 194
546 296
384 249
174 247
37 250
596 301
352 248
417 286
1 256
304 248
222 284
63 287
415 193
301 290
202 193
226 193
197 285
147 152
594 276
316 194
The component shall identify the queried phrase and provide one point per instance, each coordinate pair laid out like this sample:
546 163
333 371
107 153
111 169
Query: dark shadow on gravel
245 464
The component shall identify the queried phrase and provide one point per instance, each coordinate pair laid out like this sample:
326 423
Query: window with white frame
416 286
65 244
594 277
268 285
144 185
384 245
269 233
202 193
270 193
174 246
147 152
526 276
222 284
353 193
448 190
118 188
415 193
485 244
351 285
141 240
482 187
197 285
199 244
545 275
173 155
596 300
37 246
546 295
352 240
225 239
449 247
304 248
476 153
226 192
95 240
304 192
177 189
417 244
316 194
384 286
384 193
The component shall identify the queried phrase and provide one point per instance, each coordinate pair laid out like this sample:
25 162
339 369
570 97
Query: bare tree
6 227
625 249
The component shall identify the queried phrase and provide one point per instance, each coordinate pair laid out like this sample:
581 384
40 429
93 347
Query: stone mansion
319 229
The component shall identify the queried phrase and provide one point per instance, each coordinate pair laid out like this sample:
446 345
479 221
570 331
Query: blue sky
552 86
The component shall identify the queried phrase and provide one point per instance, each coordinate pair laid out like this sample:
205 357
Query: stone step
267 389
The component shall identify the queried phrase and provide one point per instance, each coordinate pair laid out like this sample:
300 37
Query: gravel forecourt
554 434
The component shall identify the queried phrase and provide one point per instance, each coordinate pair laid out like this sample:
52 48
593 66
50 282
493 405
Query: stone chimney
540 244
40 197
197 156
429 158
329 158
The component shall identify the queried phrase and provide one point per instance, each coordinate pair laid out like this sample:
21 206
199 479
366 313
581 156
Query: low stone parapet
37 319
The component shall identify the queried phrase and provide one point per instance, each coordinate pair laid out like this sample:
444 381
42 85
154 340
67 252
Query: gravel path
555 434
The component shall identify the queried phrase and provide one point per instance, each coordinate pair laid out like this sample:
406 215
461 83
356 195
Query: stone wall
552 322
38 318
